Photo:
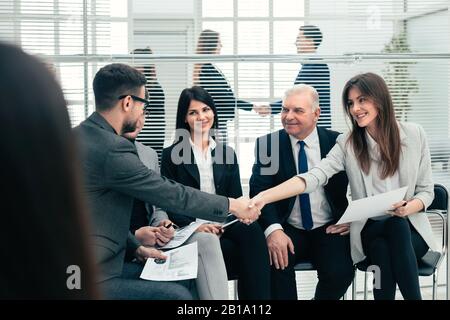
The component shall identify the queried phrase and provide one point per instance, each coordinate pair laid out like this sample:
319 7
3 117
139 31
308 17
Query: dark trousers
130 287
395 246
246 257
329 253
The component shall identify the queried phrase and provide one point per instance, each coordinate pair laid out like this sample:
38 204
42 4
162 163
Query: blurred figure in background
43 217
210 78
313 73
153 133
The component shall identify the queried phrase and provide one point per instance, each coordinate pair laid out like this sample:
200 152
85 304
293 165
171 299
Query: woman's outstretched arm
287 189
313 179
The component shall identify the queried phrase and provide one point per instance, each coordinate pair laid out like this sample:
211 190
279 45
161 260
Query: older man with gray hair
303 227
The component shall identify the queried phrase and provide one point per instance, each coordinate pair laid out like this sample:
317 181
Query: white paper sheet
372 206
181 235
181 264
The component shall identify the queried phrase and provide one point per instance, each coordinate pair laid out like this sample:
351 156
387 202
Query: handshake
262 109
246 210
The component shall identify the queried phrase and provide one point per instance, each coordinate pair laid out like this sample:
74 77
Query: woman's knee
397 225
208 243
398 228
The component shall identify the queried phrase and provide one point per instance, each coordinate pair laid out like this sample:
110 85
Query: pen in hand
166 234
393 211
172 225
403 205
404 212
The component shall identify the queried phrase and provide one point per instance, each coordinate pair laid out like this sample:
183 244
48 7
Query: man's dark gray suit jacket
113 177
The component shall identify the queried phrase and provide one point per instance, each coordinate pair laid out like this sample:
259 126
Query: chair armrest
442 214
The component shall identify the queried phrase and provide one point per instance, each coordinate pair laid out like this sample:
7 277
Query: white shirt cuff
272 228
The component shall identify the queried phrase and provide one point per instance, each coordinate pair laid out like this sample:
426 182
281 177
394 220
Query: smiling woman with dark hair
212 167
43 218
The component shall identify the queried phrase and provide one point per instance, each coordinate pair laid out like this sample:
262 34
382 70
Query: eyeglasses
145 101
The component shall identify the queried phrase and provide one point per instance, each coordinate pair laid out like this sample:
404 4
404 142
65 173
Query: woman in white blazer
379 154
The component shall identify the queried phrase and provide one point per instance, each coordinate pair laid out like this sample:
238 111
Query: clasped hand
243 209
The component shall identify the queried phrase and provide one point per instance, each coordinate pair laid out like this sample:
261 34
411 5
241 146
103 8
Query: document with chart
372 206
181 264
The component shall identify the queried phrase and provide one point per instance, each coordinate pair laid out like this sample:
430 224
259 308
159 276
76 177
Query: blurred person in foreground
43 233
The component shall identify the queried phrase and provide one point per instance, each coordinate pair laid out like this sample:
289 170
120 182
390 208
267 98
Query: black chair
305 265
430 262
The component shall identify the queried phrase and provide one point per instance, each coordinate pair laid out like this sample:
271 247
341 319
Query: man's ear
126 104
317 113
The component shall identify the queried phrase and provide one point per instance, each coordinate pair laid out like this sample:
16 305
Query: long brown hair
388 138
207 43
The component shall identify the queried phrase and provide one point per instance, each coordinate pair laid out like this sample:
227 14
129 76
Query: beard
129 126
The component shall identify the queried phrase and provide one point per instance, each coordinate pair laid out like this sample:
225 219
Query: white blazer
414 172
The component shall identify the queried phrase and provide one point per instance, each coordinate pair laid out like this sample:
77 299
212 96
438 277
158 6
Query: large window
64 33
391 38
358 36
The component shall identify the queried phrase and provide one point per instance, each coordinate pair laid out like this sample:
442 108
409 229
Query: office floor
427 293
306 288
